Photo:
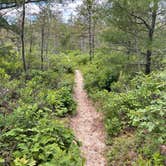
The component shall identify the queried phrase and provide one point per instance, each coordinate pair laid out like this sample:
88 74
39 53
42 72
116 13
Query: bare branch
141 19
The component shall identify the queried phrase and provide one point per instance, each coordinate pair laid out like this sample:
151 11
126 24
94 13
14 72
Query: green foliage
123 151
32 132
58 100
130 103
83 59
46 142
64 65
34 135
150 115
47 78
61 101
3 23
3 75
11 64
143 107
100 75
157 160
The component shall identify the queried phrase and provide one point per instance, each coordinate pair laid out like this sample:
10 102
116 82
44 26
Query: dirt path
88 126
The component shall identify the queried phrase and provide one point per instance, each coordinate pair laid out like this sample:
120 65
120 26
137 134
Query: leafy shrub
61 101
115 111
3 75
40 89
157 160
31 131
8 92
123 151
11 64
130 104
32 135
83 59
150 115
143 106
64 65
47 78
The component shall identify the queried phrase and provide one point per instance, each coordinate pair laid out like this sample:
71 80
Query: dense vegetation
134 109
32 132
119 45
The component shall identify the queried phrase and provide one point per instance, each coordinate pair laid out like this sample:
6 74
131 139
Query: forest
82 83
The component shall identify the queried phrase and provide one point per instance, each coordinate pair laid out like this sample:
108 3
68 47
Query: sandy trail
88 126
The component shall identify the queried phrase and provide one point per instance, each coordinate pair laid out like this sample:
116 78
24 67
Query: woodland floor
88 126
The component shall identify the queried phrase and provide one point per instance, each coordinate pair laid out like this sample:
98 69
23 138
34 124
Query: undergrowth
32 129
133 104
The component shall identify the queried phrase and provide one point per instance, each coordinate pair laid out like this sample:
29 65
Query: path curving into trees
88 126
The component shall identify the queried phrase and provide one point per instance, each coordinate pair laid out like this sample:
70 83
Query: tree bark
42 47
150 36
90 30
149 53
30 44
22 38
93 40
148 62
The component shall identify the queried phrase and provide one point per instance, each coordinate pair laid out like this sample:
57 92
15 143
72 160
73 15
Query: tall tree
22 37
44 21
138 16
89 4
88 10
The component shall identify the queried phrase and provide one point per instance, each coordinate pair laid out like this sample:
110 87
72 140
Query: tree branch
14 3
141 19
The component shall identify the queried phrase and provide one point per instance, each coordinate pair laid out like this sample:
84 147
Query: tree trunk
30 44
149 53
90 31
48 31
42 47
93 40
150 36
137 50
22 38
148 62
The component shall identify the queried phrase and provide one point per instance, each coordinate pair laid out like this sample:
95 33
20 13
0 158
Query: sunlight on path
88 126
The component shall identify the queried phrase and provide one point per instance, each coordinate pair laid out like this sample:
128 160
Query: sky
33 8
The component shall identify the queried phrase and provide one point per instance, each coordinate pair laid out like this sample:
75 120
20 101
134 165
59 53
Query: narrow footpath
88 126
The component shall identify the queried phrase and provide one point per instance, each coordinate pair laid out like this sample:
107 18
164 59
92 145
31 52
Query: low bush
33 136
100 75
141 109
131 103
31 129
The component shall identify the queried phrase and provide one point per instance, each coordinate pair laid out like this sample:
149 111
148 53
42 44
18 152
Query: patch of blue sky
33 9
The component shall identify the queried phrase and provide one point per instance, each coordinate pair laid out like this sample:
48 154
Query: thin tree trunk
47 45
48 31
137 50
47 42
22 38
93 40
31 40
30 44
42 47
149 53
90 31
